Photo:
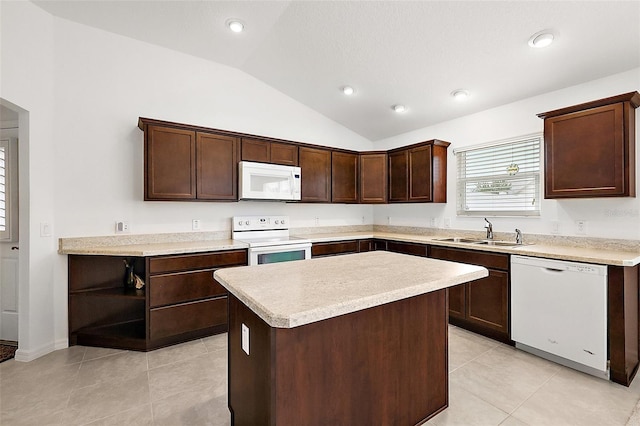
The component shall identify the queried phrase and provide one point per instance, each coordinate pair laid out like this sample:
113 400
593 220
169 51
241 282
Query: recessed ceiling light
235 25
460 95
541 39
348 90
399 108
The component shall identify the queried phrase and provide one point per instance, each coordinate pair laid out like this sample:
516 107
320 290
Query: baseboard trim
26 355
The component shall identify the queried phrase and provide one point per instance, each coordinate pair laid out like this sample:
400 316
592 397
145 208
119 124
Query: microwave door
268 186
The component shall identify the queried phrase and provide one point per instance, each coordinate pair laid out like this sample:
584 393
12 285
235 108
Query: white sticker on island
245 338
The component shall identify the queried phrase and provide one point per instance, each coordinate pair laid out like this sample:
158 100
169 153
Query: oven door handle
280 248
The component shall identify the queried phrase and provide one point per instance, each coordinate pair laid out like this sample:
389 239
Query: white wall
26 85
606 217
81 91
84 90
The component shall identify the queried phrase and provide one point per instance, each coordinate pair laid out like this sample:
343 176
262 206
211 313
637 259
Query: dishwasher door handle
553 270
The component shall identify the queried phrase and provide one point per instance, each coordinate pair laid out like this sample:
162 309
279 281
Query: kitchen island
354 339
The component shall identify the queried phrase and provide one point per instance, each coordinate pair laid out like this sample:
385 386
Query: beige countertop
291 294
155 245
601 255
156 248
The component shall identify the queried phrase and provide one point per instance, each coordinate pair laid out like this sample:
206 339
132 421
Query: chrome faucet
489 227
518 236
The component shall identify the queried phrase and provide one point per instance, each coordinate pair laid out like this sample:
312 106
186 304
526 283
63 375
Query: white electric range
268 239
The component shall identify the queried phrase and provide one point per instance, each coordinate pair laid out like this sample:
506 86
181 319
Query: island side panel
383 365
250 376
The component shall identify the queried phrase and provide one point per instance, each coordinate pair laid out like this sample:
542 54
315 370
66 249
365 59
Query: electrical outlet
433 222
245 338
388 220
555 227
581 227
363 220
317 220
447 222
195 224
122 227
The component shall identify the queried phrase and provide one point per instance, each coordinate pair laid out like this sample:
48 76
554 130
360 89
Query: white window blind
500 179
8 190
3 187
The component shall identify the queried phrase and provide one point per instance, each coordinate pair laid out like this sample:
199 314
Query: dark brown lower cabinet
180 301
481 306
334 248
407 248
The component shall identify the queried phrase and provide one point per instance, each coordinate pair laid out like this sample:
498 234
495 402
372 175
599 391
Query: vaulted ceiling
413 53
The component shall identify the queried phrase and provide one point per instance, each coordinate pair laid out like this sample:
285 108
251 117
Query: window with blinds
500 179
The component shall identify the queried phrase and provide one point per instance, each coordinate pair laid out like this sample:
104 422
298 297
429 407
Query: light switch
45 229
245 339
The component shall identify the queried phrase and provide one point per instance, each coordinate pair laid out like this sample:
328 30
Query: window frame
10 234
461 193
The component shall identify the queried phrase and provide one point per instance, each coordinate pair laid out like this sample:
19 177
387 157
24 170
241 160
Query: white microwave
261 181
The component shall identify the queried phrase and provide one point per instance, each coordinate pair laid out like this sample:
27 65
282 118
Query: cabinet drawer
159 265
183 287
407 248
327 249
187 317
473 257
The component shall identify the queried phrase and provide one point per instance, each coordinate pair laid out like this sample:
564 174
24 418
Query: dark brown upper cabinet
315 167
169 163
590 149
344 177
184 164
217 171
263 151
418 173
373 178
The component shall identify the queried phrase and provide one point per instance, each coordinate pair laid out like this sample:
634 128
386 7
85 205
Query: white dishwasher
559 312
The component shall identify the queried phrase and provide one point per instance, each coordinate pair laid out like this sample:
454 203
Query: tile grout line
535 391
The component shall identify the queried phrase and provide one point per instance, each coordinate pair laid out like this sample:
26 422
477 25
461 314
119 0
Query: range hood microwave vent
262 181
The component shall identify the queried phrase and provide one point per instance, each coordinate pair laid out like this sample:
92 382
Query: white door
8 238
9 291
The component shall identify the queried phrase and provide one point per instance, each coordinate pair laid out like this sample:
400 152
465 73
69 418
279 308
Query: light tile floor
490 384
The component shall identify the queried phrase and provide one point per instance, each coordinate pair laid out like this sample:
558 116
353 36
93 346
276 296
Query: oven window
283 256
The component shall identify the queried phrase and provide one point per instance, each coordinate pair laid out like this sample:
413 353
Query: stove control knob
282 221
240 223
277 222
246 223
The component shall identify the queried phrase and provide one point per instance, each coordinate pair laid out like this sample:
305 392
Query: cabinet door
585 154
344 177
170 164
457 299
316 174
217 167
365 245
420 172
488 301
398 176
373 178
256 150
284 153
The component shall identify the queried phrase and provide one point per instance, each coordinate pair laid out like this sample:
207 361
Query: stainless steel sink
458 240
480 242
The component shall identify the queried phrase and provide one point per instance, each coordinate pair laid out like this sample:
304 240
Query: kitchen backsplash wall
616 218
